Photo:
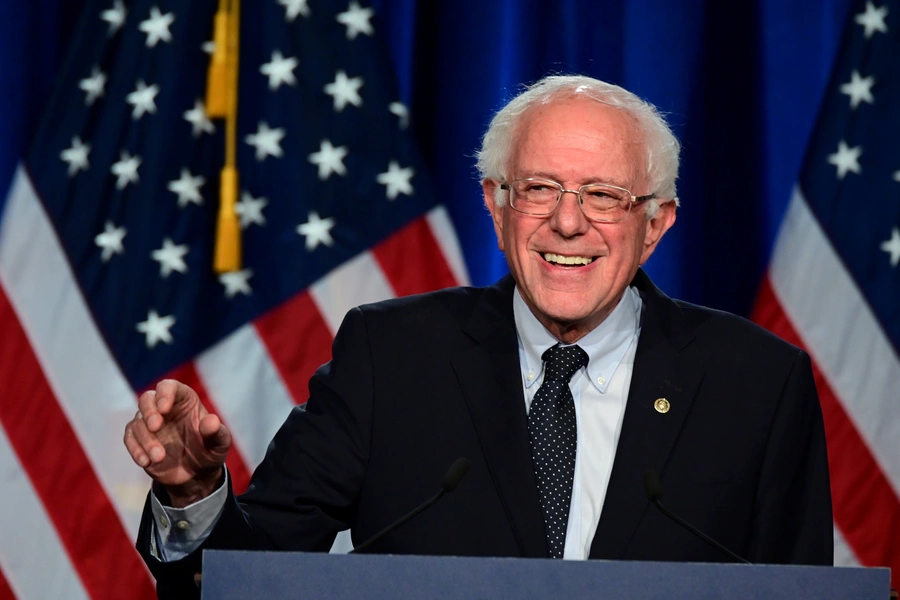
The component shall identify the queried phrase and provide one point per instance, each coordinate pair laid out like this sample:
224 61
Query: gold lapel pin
662 405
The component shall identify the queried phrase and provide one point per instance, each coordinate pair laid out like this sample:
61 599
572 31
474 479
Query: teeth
567 260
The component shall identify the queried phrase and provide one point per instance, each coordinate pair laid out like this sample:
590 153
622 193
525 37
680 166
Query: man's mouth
568 261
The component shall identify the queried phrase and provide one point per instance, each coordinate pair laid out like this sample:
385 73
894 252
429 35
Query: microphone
654 493
449 482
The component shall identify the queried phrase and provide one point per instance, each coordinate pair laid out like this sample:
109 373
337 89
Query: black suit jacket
417 382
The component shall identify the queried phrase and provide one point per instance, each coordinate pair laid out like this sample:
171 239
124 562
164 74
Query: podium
230 575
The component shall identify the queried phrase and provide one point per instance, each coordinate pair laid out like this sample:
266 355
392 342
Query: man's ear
657 227
490 187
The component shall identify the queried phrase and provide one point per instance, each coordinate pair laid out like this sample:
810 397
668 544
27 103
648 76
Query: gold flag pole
222 101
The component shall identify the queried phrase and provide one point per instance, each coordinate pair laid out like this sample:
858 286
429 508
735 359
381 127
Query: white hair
660 144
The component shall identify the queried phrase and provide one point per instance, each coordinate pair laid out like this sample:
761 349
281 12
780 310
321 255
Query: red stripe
237 467
298 341
6 592
51 455
412 260
866 509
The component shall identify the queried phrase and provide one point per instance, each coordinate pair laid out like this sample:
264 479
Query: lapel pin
662 405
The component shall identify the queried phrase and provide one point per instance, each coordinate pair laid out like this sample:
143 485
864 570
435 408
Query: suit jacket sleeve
792 521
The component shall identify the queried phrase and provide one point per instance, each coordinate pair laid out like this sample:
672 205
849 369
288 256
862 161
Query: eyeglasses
599 202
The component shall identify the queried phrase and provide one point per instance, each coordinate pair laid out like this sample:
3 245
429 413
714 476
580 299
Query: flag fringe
228 231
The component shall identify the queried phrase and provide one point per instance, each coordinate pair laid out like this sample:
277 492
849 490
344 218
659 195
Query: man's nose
568 219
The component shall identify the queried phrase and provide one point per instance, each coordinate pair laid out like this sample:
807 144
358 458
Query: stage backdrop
112 177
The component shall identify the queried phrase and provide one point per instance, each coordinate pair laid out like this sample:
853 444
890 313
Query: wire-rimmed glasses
599 202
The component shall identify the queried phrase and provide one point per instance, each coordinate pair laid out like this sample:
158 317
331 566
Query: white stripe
840 331
360 280
843 554
33 559
248 392
445 235
79 368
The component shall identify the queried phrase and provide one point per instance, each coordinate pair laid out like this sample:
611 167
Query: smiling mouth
567 261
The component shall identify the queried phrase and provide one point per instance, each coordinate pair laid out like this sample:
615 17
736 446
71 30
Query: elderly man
562 385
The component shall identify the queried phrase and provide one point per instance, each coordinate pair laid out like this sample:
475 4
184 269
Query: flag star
156 328
200 123
266 141
873 19
236 282
356 19
317 231
897 175
157 27
397 180
142 98
115 16
344 90
110 241
859 89
892 246
329 159
188 188
279 70
249 209
292 8
209 47
93 86
126 170
846 159
399 109
76 156
170 258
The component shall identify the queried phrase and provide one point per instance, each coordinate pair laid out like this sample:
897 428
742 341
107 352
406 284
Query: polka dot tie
552 428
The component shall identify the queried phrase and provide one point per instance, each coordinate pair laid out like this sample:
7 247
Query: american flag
833 285
106 254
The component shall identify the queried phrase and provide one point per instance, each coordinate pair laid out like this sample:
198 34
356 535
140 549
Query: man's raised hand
178 442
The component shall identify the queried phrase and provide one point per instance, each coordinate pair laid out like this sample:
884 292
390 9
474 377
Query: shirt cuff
180 531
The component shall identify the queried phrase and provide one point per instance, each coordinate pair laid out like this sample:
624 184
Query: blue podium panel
233 575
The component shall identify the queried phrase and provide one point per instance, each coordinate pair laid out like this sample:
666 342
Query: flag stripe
27 532
59 472
840 331
298 341
413 261
360 280
236 463
857 374
843 553
91 390
860 493
5 591
247 390
445 235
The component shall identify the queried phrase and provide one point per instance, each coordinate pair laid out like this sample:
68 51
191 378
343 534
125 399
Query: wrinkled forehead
581 137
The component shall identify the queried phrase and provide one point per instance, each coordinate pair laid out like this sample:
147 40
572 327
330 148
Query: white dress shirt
600 390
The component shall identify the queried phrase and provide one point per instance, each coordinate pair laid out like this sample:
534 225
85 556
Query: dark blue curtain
741 82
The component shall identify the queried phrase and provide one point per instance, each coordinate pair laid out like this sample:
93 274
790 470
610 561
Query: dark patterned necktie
552 428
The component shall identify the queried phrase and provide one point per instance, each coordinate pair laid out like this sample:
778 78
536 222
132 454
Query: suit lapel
488 373
648 435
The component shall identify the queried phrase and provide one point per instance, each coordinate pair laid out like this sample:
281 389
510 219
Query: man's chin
563 317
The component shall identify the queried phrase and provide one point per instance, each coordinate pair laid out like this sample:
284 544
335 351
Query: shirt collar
606 345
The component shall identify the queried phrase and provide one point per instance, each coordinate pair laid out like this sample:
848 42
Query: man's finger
134 449
148 409
216 436
174 396
143 445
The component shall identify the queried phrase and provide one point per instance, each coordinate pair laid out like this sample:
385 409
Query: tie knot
563 361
